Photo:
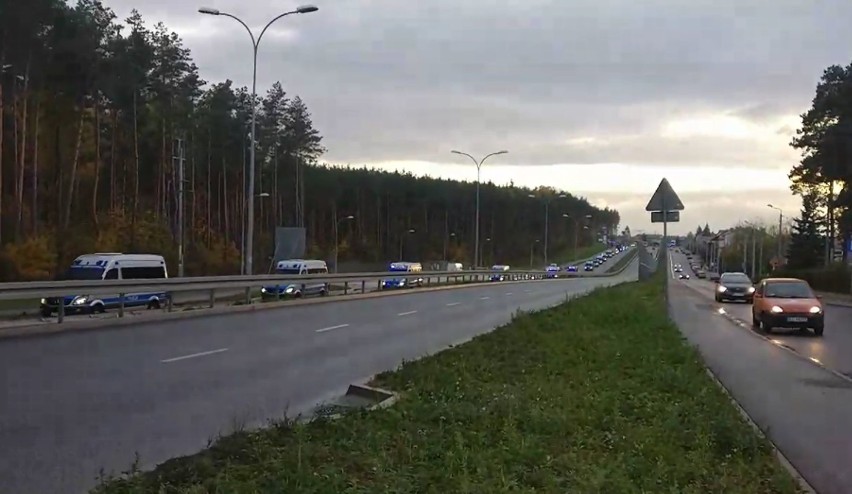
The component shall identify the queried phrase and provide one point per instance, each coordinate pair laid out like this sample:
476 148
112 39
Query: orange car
787 303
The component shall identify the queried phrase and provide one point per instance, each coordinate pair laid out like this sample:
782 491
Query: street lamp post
547 218
780 225
478 164
447 244
306 9
336 242
402 243
532 250
576 231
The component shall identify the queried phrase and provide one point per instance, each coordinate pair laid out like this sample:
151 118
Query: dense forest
97 114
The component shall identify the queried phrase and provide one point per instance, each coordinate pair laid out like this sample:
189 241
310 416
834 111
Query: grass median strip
597 395
622 261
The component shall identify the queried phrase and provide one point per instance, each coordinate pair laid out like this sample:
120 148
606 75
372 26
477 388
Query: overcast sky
602 98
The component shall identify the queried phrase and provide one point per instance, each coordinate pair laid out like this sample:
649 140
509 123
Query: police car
403 281
297 267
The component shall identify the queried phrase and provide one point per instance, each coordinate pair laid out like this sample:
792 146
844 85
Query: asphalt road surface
833 349
804 408
79 402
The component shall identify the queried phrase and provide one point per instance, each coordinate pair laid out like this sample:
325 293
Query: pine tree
806 242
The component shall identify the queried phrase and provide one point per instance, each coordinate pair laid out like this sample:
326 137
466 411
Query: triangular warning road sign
664 199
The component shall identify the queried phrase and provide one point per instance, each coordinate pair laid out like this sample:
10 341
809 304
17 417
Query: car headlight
263 290
751 289
289 289
401 283
79 301
43 301
722 288
815 310
776 310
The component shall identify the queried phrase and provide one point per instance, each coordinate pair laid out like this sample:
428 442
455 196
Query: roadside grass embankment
600 394
623 261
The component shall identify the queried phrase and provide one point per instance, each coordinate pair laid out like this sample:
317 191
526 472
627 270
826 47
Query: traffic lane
832 349
115 395
803 408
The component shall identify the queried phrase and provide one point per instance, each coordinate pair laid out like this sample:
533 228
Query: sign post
665 207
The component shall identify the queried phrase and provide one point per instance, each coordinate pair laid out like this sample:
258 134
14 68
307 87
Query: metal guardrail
122 288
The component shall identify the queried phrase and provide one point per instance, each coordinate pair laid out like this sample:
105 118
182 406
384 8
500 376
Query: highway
74 403
196 300
804 407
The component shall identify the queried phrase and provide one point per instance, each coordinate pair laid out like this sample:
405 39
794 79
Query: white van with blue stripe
110 266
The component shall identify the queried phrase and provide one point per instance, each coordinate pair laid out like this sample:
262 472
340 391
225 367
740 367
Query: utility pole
760 263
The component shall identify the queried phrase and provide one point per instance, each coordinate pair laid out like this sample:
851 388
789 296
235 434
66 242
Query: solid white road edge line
407 313
330 328
193 355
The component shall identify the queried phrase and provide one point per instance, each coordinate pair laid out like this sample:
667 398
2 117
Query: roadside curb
834 299
785 462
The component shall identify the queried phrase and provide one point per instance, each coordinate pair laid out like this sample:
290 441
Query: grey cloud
410 80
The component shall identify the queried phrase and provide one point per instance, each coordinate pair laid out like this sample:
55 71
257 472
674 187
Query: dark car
734 286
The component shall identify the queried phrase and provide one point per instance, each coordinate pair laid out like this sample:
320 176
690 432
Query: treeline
96 115
823 179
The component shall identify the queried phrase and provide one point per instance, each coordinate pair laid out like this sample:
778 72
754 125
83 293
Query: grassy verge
583 253
599 395
622 261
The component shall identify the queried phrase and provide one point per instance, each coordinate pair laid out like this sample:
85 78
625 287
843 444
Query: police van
298 267
403 282
110 266
499 272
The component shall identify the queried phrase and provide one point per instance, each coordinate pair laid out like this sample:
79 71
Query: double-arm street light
576 230
780 225
478 167
305 9
336 242
547 201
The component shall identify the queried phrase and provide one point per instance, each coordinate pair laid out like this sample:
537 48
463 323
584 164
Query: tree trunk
2 64
192 203
97 177
209 197
15 152
274 188
72 180
19 199
226 226
34 198
135 210
112 181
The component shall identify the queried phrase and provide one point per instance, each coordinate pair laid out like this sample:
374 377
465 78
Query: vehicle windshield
287 271
788 289
398 269
81 273
735 278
